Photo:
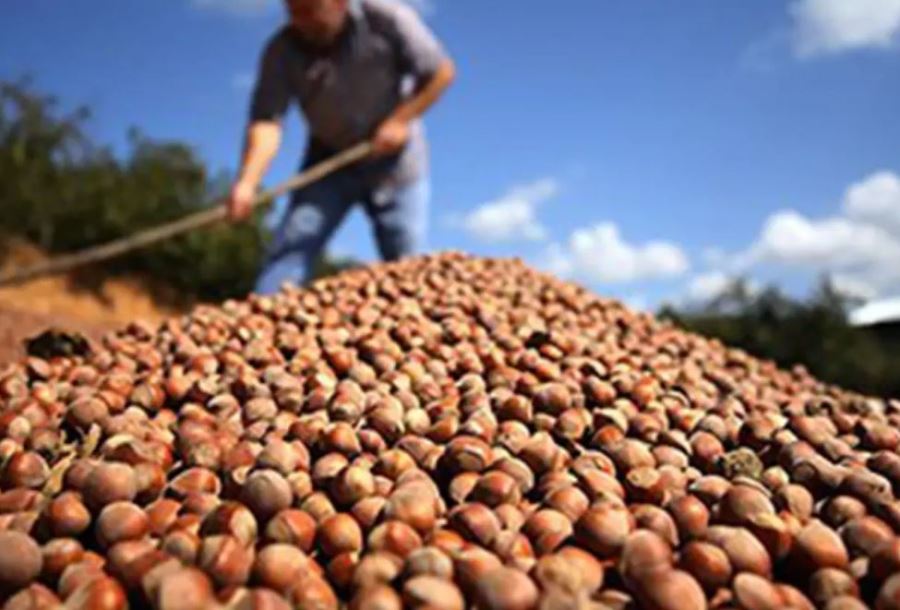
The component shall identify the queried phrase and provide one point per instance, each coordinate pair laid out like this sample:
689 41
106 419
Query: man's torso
346 91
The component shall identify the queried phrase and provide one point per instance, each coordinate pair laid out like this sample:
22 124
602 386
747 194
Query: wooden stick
202 219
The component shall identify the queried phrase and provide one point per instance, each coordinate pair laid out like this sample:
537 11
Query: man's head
318 21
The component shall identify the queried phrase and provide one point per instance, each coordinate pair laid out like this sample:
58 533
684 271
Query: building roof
884 311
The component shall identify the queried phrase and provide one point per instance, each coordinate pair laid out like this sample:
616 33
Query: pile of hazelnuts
439 433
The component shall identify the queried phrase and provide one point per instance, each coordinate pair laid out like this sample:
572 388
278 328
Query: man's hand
390 137
240 202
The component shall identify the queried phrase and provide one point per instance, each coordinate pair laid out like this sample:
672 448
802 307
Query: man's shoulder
389 10
282 47
279 35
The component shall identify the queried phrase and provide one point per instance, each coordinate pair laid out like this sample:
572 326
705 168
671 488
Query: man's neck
320 48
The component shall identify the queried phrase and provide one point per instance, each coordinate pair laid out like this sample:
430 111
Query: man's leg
311 219
401 225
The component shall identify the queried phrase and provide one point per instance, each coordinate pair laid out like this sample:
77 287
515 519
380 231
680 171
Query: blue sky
648 150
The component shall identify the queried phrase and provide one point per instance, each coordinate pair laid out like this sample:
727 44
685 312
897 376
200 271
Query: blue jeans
315 212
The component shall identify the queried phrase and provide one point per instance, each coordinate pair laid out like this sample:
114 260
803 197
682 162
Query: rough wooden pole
205 218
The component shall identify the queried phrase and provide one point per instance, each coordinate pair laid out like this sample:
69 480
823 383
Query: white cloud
714 256
790 238
859 246
876 199
853 286
822 27
512 217
600 254
556 261
637 302
707 286
877 312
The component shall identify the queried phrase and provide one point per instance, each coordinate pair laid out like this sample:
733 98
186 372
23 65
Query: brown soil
80 303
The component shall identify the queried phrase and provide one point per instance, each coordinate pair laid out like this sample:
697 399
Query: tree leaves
64 192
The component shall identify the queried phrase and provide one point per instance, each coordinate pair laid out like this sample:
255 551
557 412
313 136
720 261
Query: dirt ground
16 326
63 303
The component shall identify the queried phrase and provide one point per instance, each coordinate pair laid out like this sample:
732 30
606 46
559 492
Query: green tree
63 192
813 332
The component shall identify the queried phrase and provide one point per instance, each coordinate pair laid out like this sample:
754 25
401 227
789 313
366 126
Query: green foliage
61 191
814 332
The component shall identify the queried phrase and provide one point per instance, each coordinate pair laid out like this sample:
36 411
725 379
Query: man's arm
260 147
268 105
393 133
421 55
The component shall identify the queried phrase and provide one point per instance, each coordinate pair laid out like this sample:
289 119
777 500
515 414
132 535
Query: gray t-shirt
385 54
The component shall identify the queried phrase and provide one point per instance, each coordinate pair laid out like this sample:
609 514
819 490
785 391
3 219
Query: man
359 69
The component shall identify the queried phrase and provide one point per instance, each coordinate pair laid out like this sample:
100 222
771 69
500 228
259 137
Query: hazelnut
233 519
369 511
603 529
20 561
547 529
184 589
796 500
378 597
429 561
570 501
830 583
313 593
742 502
429 591
866 535
338 534
266 493
67 515
195 480
506 589
121 521
889 594
413 506
35 597
690 515
291 526
351 485
318 506
644 556
707 563
656 520
25 469
817 546
341 569
886 560
162 514
672 590
184 545
472 564
376 568
496 487
225 559
394 537
462 486
476 522
280 566
58 554
745 552
104 593
76 575
110 482
754 592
